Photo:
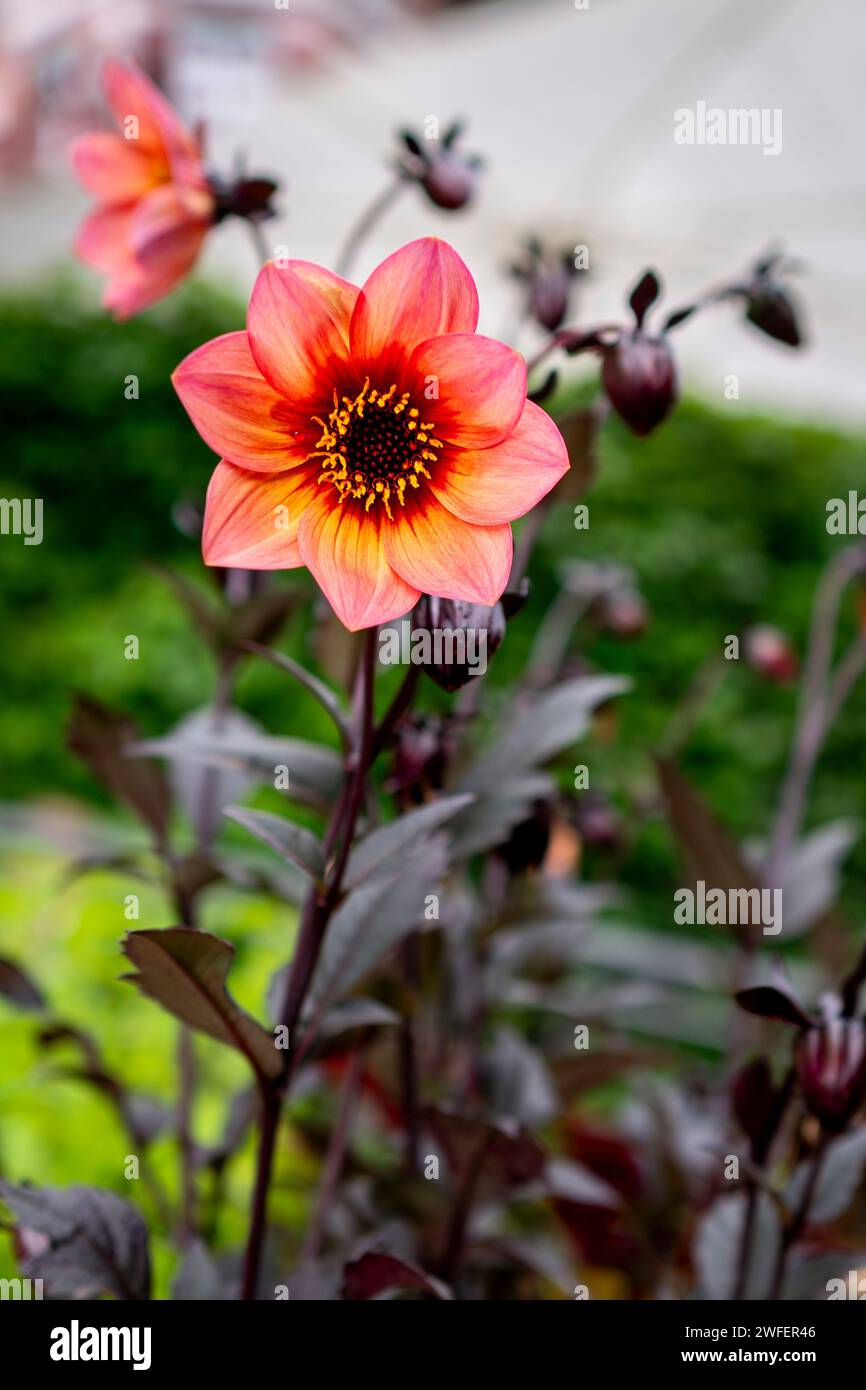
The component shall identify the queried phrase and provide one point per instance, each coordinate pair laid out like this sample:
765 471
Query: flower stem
821 697
800 1217
367 221
257 236
317 913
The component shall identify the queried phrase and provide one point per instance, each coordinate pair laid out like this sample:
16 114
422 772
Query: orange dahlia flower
370 434
154 202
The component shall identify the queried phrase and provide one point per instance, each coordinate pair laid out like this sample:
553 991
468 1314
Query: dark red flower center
375 446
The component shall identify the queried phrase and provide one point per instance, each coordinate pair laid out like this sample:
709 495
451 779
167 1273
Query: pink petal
251 522
168 227
111 168
103 239
489 486
234 409
130 93
343 549
442 555
161 132
480 387
298 324
420 292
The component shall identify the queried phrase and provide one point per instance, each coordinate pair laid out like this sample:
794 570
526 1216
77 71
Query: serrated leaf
294 843
93 1242
185 971
384 844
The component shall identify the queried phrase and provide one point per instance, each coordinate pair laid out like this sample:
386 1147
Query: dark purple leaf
645 293
375 1274
82 1241
100 736
18 988
185 972
766 1001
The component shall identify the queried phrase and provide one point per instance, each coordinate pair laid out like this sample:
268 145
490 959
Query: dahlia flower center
374 447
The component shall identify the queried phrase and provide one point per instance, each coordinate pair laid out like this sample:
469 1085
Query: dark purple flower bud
597 822
550 297
549 280
770 654
455 639
528 842
422 745
754 1098
830 1061
639 376
249 198
624 613
449 182
771 308
448 176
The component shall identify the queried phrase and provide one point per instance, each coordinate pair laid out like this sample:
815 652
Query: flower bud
830 1061
770 654
639 376
528 842
597 822
448 177
463 636
769 303
249 198
422 745
548 278
624 613
754 1099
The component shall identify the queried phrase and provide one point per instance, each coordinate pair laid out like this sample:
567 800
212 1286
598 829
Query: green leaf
185 971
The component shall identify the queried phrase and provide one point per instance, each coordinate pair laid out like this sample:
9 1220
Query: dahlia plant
437 921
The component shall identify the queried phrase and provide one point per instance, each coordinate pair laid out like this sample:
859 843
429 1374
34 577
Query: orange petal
489 486
442 555
251 522
103 239
234 409
111 168
420 292
480 387
298 324
345 554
